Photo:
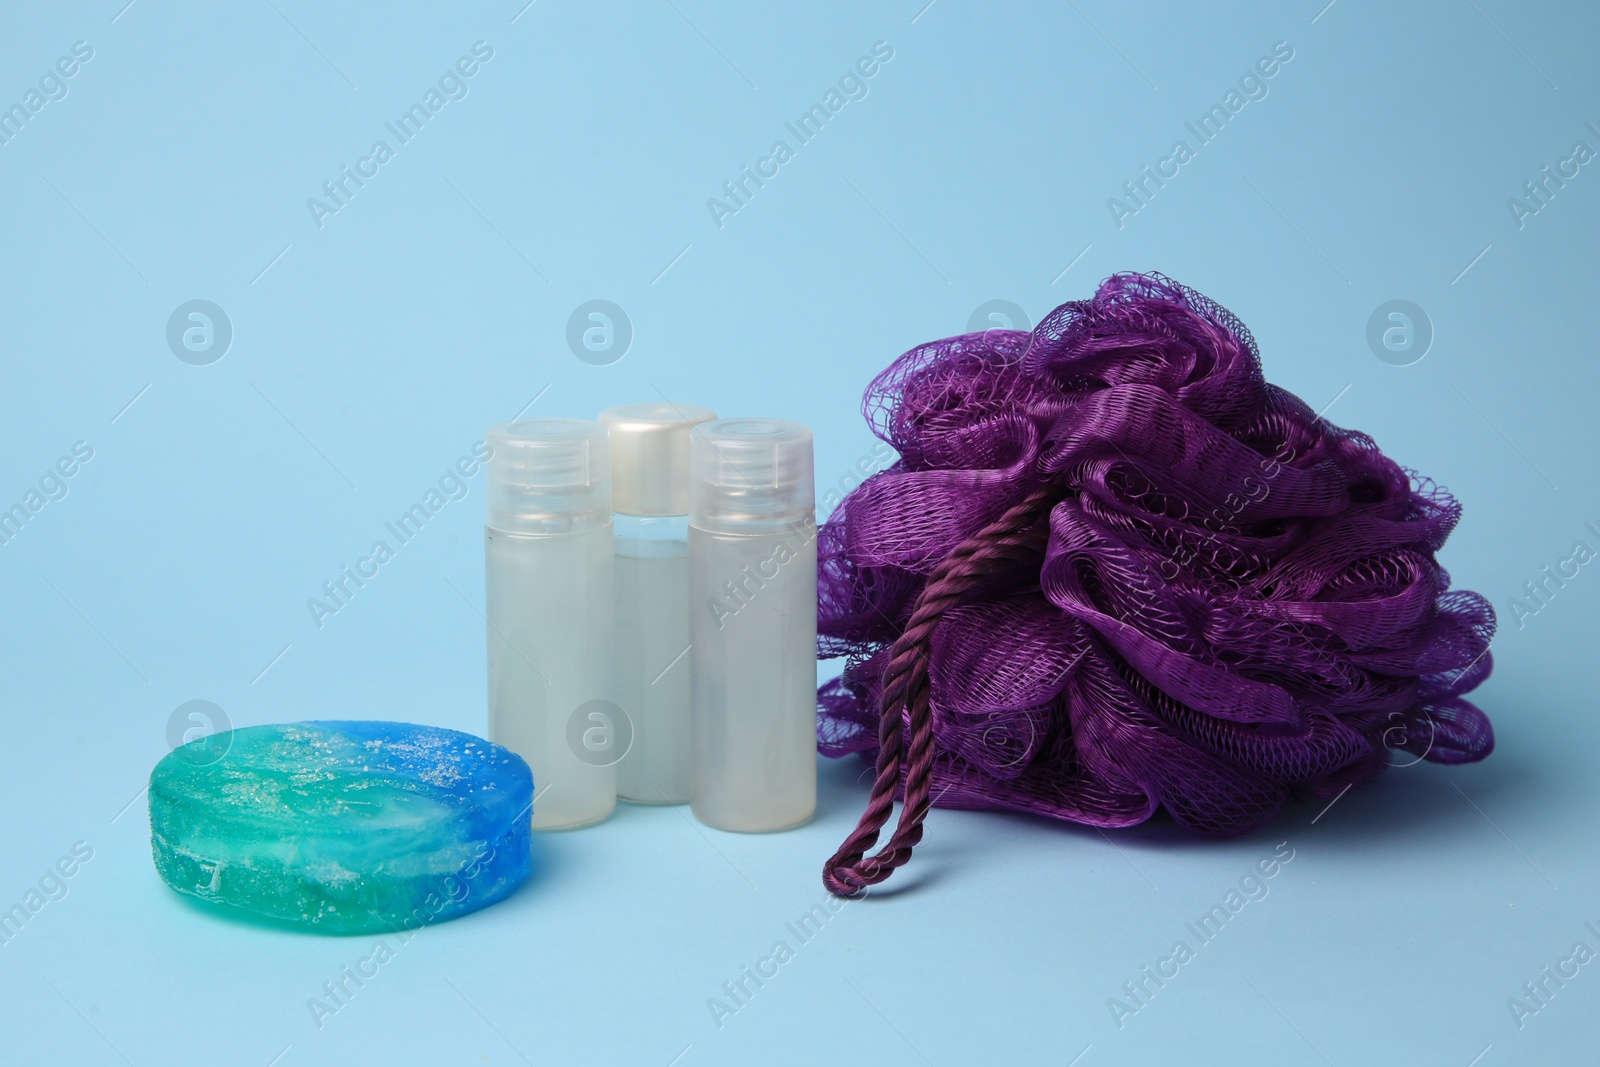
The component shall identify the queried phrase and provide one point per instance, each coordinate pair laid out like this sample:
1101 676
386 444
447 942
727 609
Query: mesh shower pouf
1114 570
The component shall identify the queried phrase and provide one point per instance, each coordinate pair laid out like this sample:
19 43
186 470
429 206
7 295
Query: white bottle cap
650 456
548 476
750 476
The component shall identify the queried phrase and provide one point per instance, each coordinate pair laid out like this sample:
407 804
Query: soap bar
344 827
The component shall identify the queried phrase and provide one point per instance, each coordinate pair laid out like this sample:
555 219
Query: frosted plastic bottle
650 495
550 574
753 624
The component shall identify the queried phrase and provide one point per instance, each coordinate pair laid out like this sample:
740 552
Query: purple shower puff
1233 602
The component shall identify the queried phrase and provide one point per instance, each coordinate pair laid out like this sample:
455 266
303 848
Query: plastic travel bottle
549 566
650 495
753 624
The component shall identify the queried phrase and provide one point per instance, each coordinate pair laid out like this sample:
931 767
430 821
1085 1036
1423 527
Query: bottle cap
750 476
650 456
548 476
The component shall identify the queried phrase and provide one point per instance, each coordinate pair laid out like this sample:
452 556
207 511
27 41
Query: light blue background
377 348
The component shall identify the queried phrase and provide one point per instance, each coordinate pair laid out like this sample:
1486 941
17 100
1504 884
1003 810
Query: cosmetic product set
651 606
652 613
1113 571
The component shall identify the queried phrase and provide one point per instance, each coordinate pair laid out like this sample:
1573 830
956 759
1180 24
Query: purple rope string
1015 537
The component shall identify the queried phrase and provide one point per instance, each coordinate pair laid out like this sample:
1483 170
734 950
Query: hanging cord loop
1016 537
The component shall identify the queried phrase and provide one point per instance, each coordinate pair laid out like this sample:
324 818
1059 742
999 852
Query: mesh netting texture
1114 570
